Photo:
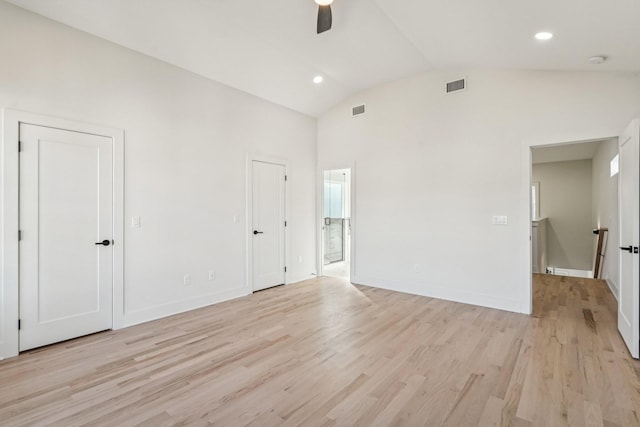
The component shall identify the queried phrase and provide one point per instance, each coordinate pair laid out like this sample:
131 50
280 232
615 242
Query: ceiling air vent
456 86
358 110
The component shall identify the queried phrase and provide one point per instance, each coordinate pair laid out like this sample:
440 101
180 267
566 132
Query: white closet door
268 207
66 208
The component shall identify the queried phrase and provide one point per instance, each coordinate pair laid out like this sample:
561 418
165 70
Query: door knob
627 248
104 243
257 232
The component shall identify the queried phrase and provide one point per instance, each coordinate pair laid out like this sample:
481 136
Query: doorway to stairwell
574 196
609 197
336 223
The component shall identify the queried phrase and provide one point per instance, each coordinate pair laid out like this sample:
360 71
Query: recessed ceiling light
324 2
318 79
543 35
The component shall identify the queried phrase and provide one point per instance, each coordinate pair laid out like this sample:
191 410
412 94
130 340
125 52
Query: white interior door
268 224
66 208
629 203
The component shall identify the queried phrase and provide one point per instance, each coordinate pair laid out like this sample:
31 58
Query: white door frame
622 240
9 195
526 291
251 157
320 217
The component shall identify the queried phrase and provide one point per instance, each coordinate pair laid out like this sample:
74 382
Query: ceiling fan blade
324 18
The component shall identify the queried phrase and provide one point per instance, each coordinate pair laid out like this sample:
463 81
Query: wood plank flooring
324 353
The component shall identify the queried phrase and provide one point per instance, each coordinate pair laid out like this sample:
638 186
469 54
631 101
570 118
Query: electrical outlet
212 275
187 279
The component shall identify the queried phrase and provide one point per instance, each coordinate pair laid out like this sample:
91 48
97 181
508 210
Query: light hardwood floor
324 352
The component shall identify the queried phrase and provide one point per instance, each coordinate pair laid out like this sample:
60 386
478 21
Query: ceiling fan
324 15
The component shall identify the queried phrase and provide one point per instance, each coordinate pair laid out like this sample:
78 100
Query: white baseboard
559 271
148 314
445 293
299 277
613 287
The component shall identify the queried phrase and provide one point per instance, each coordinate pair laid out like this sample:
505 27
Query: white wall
452 162
605 209
186 142
565 199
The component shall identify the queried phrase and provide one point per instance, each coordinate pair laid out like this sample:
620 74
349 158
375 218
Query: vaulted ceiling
269 48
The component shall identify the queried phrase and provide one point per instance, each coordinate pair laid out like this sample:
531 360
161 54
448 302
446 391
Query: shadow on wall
565 199
561 255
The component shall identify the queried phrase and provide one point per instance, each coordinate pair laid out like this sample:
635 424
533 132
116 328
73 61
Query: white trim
118 228
442 292
251 157
626 325
526 290
160 311
613 288
561 271
9 279
296 277
320 214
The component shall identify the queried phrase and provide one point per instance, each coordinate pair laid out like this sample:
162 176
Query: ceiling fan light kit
324 19
324 15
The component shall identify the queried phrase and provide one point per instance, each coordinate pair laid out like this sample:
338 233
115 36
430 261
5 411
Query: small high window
614 166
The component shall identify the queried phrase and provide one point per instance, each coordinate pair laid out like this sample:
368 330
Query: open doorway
615 197
574 202
336 223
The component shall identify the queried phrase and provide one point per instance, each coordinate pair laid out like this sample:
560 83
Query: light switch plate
135 221
500 220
